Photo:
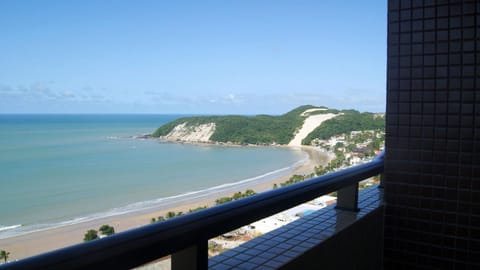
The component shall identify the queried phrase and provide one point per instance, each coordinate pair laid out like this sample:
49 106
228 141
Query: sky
191 57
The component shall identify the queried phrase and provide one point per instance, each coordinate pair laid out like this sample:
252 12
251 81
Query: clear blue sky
220 57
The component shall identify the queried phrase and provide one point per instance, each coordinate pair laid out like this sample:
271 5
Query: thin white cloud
45 94
153 97
233 98
342 100
5 88
45 91
69 94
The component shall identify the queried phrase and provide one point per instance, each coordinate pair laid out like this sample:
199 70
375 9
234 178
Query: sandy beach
50 239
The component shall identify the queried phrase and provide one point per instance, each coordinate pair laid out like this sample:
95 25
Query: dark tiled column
432 178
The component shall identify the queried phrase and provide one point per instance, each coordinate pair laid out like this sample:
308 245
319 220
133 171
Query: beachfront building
427 214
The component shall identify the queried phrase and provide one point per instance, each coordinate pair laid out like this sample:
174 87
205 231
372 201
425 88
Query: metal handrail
142 245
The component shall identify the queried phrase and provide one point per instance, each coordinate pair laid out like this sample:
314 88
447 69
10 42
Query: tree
339 145
171 214
222 200
107 230
237 195
196 209
90 235
4 255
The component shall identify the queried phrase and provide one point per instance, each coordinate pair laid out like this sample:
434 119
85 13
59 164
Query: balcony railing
185 238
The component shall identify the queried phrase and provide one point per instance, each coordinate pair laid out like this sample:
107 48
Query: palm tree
4 255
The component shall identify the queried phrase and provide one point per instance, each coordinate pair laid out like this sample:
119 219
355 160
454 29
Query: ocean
57 170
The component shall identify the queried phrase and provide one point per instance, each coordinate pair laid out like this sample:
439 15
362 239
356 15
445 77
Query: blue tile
258 260
298 249
285 245
247 265
215 259
221 267
264 267
253 252
277 250
268 255
291 253
229 253
240 249
263 247
274 264
243 257
282 259
232 261
294 242
275 241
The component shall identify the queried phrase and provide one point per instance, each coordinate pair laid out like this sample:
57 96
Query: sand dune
312 122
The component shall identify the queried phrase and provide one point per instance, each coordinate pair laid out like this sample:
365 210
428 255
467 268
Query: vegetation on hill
349 120
259 129
268 129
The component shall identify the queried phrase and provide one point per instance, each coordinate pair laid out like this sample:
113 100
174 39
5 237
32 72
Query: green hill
349 120
259 129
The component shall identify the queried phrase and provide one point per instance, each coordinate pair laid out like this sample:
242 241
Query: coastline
34 243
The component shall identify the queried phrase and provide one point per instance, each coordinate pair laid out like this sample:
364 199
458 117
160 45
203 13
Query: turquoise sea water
62 169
